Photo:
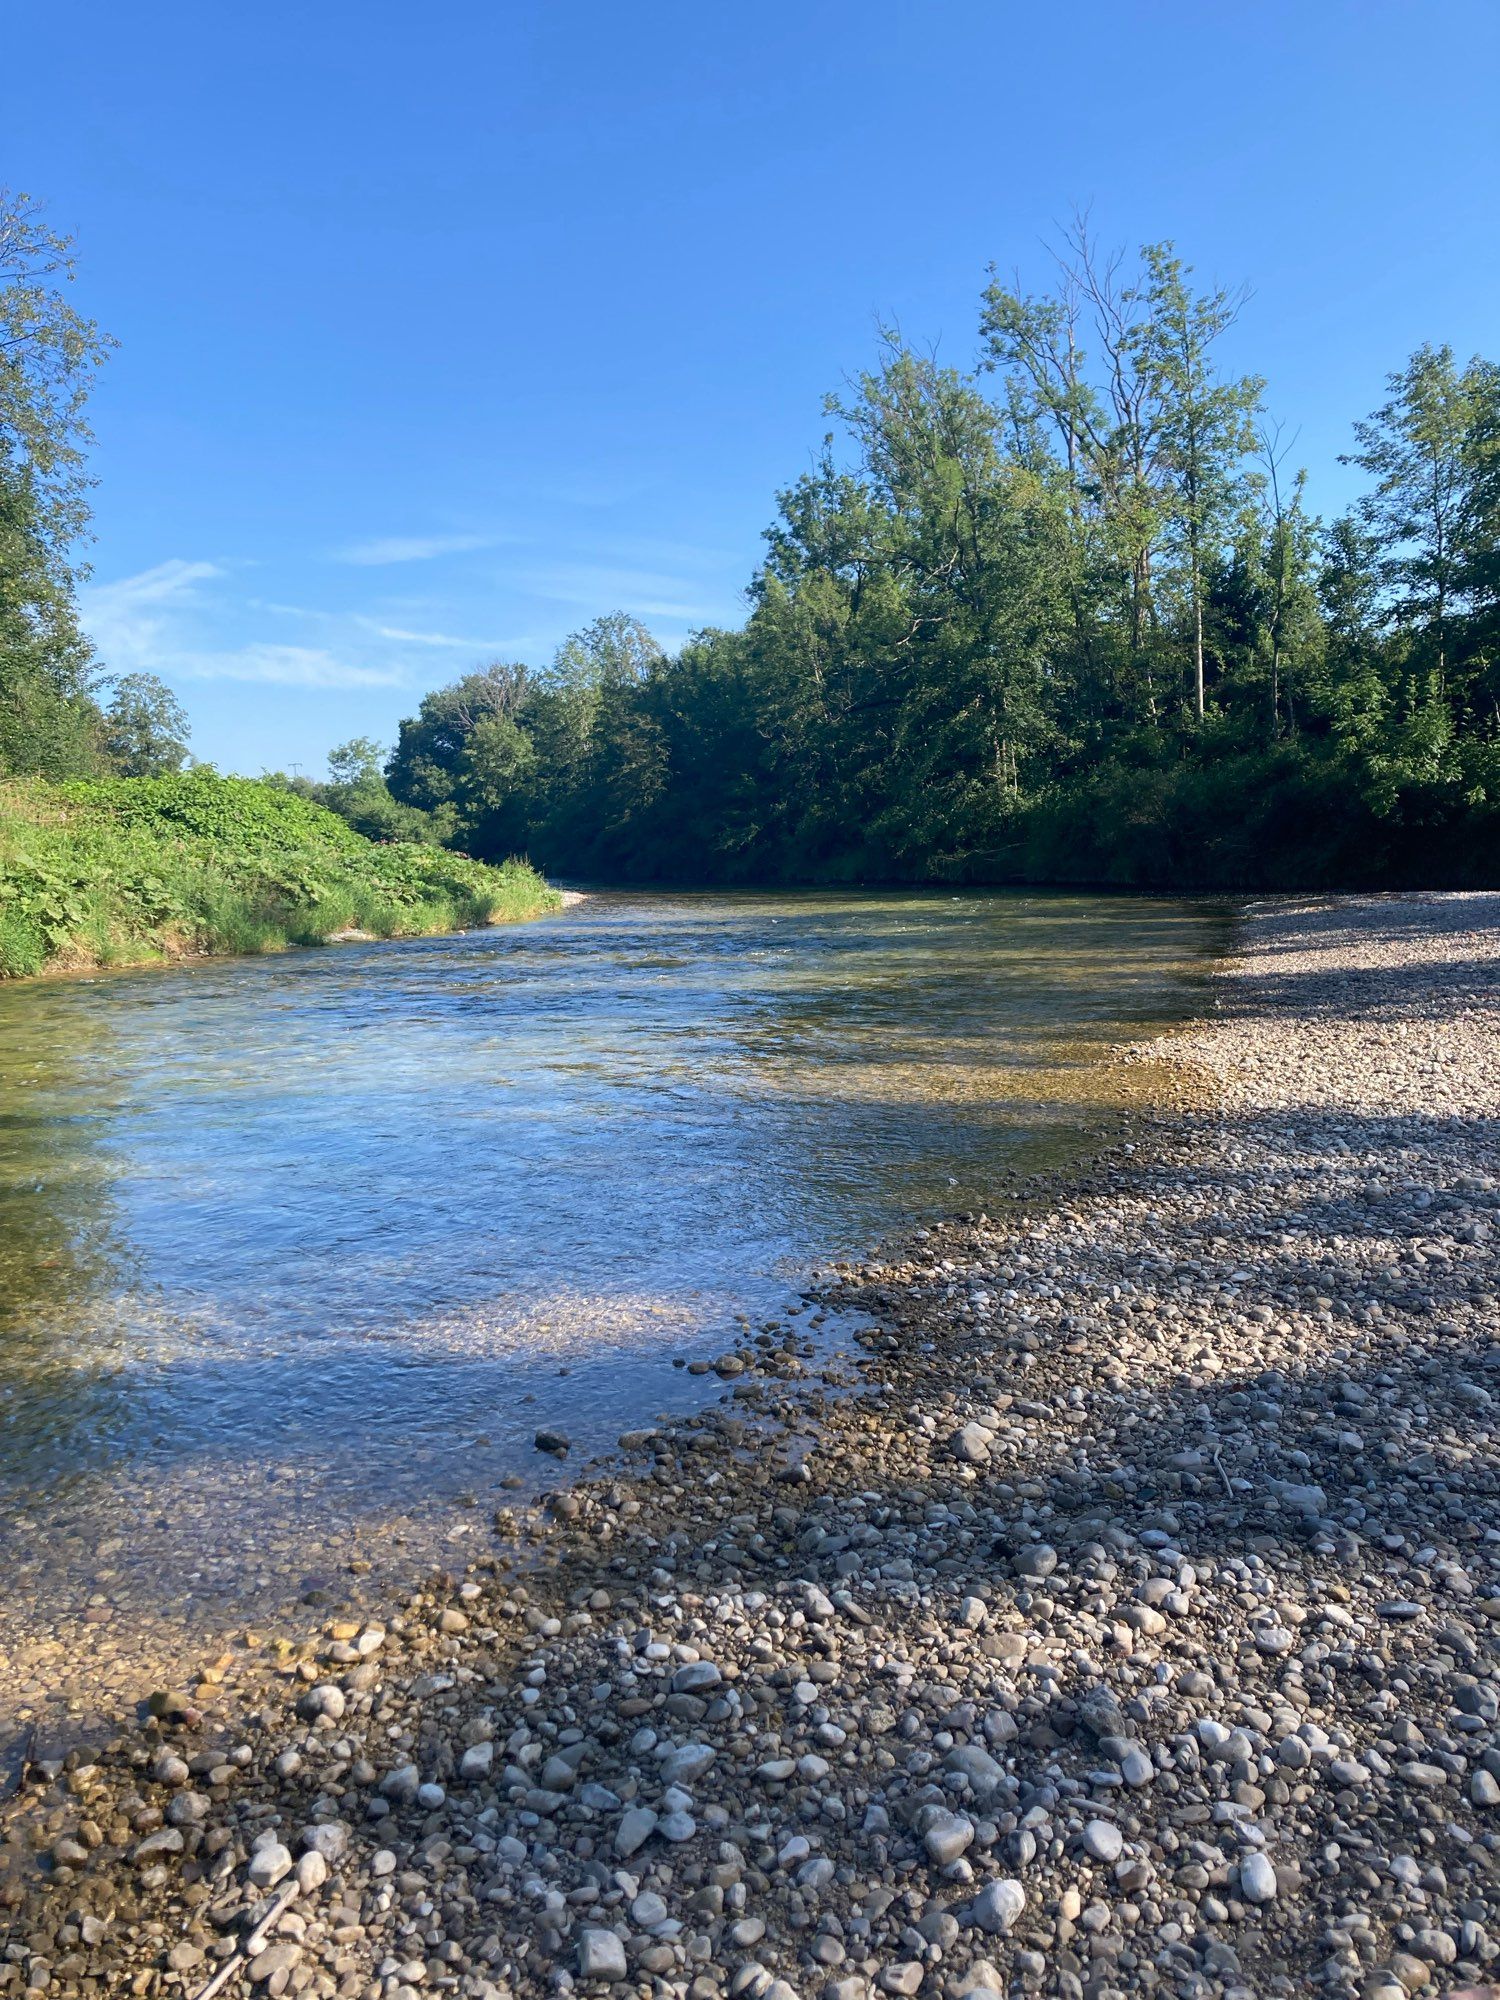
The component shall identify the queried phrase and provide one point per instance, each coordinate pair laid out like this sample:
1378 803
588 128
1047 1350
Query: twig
1223 1475
283 1902
221 1977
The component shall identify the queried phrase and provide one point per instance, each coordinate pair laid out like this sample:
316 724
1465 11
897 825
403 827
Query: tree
1287 564
48 353
424 769
146 729
1152 440
49 722
1479 555
1084 629
1102 418
1205 423
494 792
358 762
614 651
1415 447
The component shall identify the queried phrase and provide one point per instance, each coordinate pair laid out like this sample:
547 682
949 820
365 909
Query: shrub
102 871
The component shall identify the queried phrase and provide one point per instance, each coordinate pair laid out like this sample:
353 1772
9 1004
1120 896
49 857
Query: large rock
997 1907
971 1445
947 1835
601 1955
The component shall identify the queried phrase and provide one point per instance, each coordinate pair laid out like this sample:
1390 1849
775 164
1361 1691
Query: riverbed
299 1254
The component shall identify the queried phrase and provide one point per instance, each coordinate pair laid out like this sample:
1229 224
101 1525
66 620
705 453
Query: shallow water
289 1241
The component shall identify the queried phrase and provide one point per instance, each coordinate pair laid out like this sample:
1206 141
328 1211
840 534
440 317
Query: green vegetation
122 870
356 789
1061 617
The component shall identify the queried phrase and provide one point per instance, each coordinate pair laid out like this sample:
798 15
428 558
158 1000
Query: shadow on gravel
1302 1446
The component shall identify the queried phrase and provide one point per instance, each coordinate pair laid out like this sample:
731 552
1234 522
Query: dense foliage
1063 617
119 870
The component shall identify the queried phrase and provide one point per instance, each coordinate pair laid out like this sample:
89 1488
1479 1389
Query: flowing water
299 1250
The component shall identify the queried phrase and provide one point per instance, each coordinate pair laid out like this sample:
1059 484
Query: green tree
493 795
360 762
1205 423
48 354
1082 629
426 765
146 729
1416 448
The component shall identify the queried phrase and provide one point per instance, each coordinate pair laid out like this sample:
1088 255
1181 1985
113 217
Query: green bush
124 869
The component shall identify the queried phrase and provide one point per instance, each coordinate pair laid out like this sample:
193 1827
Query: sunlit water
290 1241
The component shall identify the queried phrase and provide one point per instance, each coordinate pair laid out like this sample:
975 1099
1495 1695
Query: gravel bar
1119 1617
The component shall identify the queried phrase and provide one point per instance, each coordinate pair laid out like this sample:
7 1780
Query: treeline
1063 617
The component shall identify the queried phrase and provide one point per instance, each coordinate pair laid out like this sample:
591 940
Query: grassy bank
126 870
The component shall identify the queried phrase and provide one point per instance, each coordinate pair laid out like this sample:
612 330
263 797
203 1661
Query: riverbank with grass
1114 1614
125 871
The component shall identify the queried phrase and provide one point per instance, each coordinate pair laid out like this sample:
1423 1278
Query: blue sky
445 329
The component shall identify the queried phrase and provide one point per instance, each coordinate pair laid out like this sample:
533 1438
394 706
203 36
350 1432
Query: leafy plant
118 869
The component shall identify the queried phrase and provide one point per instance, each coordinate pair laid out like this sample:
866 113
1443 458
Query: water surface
294 1241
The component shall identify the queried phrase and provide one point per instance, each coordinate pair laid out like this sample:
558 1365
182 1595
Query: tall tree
1205 423
1121 367
48 354
1416 448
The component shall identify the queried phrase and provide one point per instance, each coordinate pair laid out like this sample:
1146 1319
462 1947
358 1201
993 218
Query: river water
301 1250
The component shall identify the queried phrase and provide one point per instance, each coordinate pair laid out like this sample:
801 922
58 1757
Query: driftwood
282 1902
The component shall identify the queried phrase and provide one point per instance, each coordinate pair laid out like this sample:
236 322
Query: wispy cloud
174 578
154 622
202 620
404 637
386 549
283 666
602 586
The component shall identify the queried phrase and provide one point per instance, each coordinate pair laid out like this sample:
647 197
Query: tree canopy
1061 615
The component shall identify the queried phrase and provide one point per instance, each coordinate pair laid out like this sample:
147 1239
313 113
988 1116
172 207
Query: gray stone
268 1864
601 1955
997 1907
686 1763
1103 1840
635 1829
946 1835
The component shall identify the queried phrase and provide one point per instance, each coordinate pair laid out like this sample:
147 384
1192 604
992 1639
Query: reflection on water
359 1220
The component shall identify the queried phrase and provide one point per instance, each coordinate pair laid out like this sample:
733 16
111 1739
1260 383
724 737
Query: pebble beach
1117 1614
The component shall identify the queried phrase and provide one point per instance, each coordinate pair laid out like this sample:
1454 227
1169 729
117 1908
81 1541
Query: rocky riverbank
1123 1619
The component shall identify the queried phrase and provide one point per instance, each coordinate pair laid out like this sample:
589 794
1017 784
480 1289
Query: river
298 1253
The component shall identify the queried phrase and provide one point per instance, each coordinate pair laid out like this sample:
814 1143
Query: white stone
312 1871
268 1864
1257 1878
476 1760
